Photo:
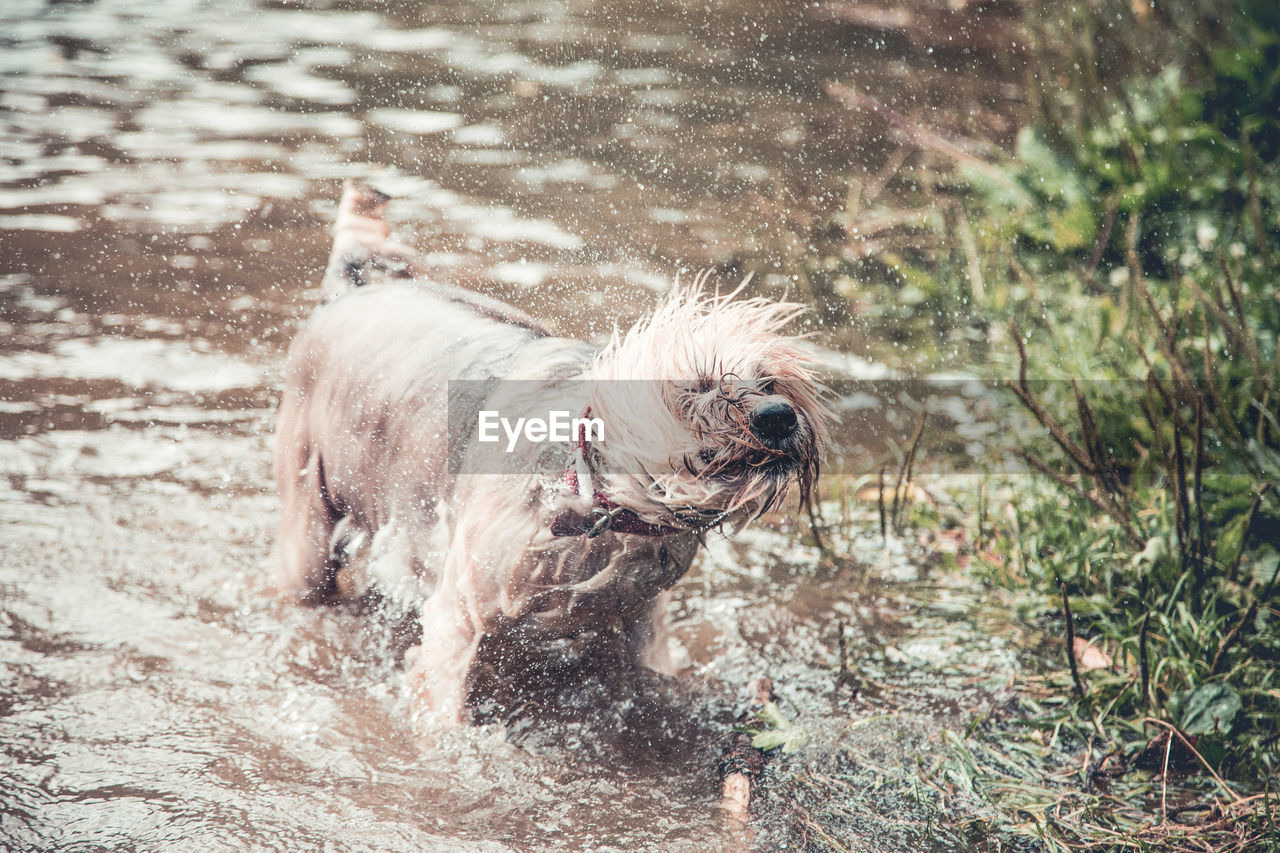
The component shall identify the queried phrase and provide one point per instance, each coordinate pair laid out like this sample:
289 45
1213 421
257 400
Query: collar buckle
604 519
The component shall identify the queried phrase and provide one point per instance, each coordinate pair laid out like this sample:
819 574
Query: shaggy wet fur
365 454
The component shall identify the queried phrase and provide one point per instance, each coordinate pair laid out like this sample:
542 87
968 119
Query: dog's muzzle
773 421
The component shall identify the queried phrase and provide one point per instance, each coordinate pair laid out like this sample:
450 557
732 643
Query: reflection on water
167 175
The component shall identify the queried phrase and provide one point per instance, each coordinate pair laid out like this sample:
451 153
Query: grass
1121 263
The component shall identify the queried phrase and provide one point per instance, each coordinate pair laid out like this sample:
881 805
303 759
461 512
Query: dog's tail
362 252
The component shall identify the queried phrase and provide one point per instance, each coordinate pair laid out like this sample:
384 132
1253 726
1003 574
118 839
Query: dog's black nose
773 420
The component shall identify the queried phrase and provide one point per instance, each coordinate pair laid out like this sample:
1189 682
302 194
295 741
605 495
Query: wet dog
525 554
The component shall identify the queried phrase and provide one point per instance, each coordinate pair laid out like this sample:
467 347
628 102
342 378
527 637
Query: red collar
604 514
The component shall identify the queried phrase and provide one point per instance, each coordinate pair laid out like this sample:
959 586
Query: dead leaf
1089 656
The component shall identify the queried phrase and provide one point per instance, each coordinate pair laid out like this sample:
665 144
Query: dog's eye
767 387
707 455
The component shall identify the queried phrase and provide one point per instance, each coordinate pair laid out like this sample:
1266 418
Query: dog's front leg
438 667
455 618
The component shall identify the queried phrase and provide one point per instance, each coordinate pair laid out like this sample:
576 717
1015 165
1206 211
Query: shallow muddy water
167 175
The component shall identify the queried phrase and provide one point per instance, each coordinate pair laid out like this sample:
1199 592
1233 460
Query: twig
1255 205
1167 330
884 533
1228 640
1164 780
739 767
1198 490
1248 526
1061 479
1103 462
1023 390
904 473
972 265
1174 729
1071 641
1104 237
1220 407
1157 433
1182 506
1107 502
1263 421
844 662
1131 259
1242 322
1107 499
918 135
1239 338
816 528
1142 660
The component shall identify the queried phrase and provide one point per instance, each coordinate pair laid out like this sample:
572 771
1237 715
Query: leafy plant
1130 243
771 729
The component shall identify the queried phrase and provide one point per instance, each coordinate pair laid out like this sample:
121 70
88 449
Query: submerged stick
740 766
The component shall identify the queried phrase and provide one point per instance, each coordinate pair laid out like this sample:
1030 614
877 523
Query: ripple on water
143 363
154 692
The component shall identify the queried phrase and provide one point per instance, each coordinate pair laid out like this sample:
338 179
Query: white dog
709 413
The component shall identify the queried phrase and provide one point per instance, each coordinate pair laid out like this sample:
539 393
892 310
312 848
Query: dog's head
710 411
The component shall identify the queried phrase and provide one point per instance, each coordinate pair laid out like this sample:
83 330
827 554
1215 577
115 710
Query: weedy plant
1130 246
1147 210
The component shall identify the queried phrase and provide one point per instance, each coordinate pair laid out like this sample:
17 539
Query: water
167 175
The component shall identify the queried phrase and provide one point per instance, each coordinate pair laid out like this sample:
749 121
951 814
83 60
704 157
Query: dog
522 554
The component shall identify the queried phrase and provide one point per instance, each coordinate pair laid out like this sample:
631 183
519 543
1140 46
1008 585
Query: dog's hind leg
646 633
307 565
